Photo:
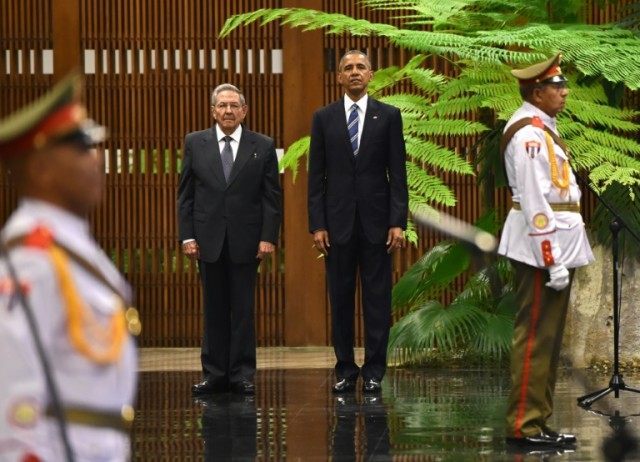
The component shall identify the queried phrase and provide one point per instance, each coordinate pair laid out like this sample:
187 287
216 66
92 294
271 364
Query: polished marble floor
421 415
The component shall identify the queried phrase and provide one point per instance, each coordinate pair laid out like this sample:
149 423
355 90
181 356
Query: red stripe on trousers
524 383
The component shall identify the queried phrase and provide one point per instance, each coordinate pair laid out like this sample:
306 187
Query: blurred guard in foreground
544 237
77 296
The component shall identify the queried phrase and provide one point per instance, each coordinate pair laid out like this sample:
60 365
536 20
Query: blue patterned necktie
352 126
227 157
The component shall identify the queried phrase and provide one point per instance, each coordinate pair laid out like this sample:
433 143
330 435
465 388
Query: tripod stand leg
635 390
588 400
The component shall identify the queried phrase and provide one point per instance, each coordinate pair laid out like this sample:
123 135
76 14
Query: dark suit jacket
374 183
246 211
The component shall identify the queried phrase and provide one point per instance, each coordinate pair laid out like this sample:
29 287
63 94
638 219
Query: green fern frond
455 88
441 127
416 63
495 89
461 106
592 93
430 187
407 102
464 48
306 19
538 37
294 153
245 19
569 128
410 233
429 275
427 81
612 141
605 175
601 115
383 79
485 73
505 104
436 156
433 325
587 154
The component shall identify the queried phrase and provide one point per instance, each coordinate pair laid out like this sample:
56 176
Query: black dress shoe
540 440
207 387
371 386
344 386
244 387
566 437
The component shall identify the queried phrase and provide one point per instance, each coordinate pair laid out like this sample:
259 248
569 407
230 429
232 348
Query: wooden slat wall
150 66
155 66
25 37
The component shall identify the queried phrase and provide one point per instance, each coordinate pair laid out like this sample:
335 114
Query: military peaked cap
545 72
57 116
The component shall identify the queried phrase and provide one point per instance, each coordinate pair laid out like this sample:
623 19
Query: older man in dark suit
358 206
229 211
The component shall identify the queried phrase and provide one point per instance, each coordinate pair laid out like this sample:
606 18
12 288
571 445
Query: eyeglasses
232 106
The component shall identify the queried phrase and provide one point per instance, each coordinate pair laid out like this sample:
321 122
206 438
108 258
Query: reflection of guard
544 237
77 296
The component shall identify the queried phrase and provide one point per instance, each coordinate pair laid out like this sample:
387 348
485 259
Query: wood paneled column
305 287
66 36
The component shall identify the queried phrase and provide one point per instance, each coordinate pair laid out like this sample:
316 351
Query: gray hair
354 52
225 87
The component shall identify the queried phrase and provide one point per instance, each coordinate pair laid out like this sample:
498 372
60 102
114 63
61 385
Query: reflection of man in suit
229 427
357 213
229 208
369 443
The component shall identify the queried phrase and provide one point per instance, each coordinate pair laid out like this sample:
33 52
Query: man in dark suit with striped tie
229 212
358 206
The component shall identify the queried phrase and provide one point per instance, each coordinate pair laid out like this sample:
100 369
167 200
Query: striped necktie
352 126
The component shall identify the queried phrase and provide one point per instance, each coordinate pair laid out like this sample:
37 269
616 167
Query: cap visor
555 79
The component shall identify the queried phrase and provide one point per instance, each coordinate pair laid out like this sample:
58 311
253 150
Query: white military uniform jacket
537 235
82 382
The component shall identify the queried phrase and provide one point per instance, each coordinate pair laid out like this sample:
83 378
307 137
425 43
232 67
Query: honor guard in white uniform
544 237
77 297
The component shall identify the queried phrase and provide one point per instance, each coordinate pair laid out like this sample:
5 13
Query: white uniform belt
559 207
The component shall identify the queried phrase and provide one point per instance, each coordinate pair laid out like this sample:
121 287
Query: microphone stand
616 383
54 394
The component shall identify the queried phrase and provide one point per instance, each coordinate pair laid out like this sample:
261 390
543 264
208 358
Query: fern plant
479 321
483 40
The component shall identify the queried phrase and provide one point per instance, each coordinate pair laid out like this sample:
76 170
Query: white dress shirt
235 139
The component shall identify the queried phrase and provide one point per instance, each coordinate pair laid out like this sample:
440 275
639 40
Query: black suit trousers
374 264
229 343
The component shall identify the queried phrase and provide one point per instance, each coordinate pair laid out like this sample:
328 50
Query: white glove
559 277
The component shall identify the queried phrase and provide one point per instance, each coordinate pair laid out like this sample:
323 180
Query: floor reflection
360 428
421 415
228 427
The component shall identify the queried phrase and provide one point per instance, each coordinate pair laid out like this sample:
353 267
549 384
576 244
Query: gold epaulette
84 330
